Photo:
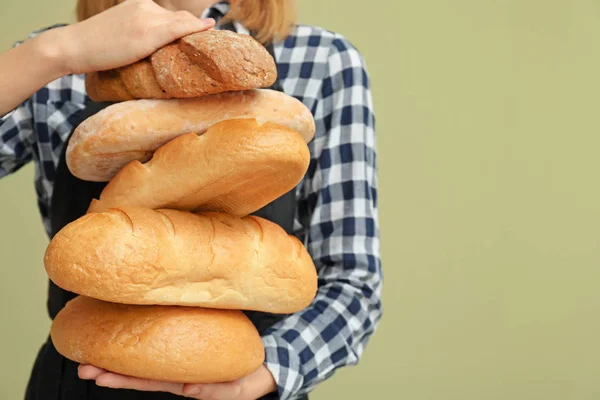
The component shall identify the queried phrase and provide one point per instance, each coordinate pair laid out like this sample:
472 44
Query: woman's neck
196 7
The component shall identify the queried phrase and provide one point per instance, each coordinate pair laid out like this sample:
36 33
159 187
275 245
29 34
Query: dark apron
54 377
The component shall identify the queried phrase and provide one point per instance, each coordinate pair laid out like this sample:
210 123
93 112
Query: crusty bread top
132 130
141 256
199 64
238 166
174 344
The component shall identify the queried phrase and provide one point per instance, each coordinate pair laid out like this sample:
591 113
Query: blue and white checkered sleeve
17 131
343 237
16 136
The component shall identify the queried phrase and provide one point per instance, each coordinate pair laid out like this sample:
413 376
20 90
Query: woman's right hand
122 35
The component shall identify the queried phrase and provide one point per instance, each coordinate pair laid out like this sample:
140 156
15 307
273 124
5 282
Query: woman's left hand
251 387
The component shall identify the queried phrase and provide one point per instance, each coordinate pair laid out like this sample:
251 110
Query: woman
42 81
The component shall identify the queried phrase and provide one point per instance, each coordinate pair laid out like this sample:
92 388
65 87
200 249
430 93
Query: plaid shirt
337 200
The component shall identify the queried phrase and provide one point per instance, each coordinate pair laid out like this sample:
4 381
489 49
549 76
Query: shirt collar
216 11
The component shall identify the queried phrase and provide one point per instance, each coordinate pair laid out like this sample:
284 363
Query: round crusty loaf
199 64
238 166
140 256
173 344
132 130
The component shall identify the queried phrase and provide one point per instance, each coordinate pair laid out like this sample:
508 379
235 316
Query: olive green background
488 124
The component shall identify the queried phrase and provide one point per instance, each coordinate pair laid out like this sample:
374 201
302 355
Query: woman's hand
251 387
122 35
119 36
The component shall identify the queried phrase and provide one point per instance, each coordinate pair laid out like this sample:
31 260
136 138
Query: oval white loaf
140 256
132 130
172 344
237 167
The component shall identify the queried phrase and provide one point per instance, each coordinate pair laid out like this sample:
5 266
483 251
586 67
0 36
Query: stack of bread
169 256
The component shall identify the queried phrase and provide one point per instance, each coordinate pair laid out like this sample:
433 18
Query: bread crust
236 167
133 130
199 64
165 257
171 344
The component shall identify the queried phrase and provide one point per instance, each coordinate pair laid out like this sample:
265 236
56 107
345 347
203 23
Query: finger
178 28
194 391
213 391
116 381
89 372
184 22
185 25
